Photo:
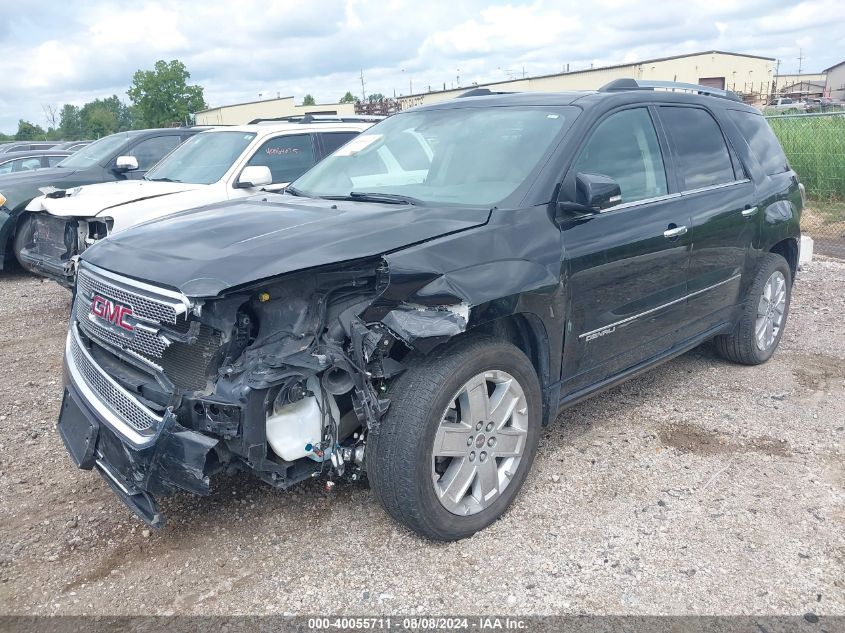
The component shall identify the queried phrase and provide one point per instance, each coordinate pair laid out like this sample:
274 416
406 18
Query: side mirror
597 191
254 176
126 163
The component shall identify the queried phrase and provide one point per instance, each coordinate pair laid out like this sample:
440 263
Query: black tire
22 239
740 346
399 456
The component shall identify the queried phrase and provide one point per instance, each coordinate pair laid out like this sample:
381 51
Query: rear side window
333 140
624 147
763 143
288 157
703 157
152 150
55 160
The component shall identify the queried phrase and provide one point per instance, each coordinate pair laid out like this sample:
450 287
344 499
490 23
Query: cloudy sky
54 52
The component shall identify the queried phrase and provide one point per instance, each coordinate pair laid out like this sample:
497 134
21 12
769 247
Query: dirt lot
701 487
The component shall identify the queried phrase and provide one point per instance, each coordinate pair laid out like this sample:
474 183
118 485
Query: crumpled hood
92 200
202 252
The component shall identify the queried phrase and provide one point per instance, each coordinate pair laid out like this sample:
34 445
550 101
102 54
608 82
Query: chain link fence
815 146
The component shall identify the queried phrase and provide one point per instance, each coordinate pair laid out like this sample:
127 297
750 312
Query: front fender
36 204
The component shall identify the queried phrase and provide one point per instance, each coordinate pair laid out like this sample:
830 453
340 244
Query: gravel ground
701 487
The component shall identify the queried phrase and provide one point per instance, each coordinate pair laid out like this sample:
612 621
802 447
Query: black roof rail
481 92
619 85
321 118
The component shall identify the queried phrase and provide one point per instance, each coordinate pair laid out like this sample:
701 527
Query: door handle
675 232
747 213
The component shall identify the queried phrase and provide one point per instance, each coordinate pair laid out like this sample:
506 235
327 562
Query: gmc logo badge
112 312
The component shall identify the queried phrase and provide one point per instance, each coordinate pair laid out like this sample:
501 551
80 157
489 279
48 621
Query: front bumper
175 458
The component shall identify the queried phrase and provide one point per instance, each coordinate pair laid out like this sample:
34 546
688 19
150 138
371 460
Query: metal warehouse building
749 75
241 113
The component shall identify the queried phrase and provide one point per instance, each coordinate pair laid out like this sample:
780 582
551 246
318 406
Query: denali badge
595 335
111 311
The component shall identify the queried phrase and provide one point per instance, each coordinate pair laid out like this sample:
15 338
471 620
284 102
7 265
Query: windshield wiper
296 192
375 196
162 180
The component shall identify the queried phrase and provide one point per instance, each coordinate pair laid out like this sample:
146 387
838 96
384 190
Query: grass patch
815 146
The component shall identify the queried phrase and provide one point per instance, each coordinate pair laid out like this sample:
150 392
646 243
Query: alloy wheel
770 310
479 442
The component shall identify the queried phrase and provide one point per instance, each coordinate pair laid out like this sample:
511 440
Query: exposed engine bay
284 379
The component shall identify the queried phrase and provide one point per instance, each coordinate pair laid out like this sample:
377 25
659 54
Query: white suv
216 165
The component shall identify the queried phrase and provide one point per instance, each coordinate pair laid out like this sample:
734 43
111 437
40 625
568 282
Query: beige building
783 81
242 113
835 82
749 75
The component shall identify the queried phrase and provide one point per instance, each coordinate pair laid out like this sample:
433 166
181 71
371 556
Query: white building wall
241 113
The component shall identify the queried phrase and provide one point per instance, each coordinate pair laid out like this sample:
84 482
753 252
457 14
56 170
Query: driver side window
625 147
288 157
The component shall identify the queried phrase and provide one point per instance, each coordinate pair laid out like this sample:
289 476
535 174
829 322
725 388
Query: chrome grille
149 308
146 308
154 313
121 402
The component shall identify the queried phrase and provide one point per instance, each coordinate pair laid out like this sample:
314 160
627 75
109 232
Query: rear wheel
458 440
756 336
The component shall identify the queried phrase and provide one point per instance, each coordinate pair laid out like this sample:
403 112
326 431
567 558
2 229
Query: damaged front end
284 379
50 245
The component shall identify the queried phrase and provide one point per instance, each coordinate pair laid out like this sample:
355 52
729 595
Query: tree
375 97
308 101
70 124
162 96
28 132
347 98
51 115
101 117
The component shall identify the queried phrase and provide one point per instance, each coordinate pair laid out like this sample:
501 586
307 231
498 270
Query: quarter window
288 157
763 143
703 157
624 147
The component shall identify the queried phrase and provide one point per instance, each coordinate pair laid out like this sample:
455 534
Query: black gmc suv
416 306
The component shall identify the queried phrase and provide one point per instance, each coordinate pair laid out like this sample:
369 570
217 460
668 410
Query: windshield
464 156
95 153
203 158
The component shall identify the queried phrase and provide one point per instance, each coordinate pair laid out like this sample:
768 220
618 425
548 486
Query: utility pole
800 59
363 91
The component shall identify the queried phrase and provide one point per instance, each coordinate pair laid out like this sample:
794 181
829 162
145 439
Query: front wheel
760 328
458 440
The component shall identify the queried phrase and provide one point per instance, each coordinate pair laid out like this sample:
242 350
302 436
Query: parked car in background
786 104
121 156
24 146
213 166
824 104
72 146
415 307
16 162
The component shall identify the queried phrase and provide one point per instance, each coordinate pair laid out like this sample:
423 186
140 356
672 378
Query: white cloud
75 51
